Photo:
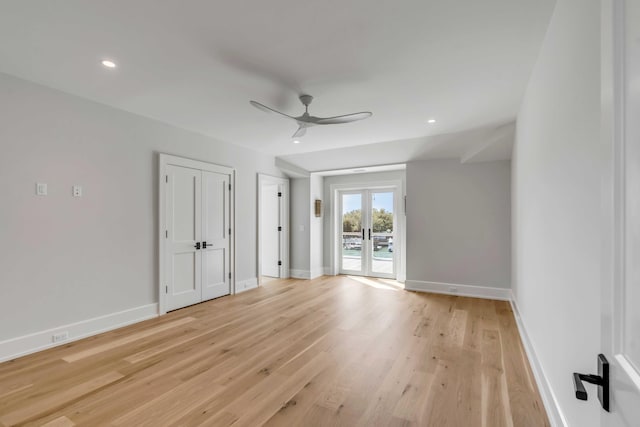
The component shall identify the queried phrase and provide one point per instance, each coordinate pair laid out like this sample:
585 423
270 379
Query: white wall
361 180
66 259
458 222
306 229
556 205
316 236
300 235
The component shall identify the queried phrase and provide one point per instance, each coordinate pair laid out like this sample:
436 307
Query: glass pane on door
382 259
352 232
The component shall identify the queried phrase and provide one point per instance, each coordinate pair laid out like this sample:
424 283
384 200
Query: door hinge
279 194
279 262
229 275
166 178
229 187
229 231
279 228
166 234
166 289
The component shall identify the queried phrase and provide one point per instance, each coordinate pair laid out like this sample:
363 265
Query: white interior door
215 235
621 260
273 227
270 236
183 262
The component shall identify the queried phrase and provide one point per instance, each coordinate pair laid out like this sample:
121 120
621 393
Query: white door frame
163 161
264 179
615 137
399 212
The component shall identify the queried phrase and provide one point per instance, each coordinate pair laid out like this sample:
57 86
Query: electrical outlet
41 189
61 336
76 191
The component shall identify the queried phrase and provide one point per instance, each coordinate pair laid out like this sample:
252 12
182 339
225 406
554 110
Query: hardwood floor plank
37 407
494 404
521 388
329 351
59 422
126 340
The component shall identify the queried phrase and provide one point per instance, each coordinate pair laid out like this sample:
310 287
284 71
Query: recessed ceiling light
108 64
431 121
296 142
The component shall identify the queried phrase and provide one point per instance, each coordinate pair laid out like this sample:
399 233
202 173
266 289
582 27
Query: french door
195 232
367 232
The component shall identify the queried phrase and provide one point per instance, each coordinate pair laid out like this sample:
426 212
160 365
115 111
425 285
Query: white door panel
183 231
273 227
183 272
352 233
382 224
621 254
269 230
215 196
184 185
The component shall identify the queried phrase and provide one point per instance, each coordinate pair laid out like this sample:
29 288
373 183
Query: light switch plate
41 189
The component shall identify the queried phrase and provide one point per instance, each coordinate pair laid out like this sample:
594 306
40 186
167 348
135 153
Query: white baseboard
27 344
300 274
556 417
461 290
245 285
317 272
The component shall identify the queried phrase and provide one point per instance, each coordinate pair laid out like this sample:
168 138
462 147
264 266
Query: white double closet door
197 249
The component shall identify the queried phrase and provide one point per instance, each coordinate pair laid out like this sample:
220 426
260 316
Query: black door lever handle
204 245
601 380
197 246
581 392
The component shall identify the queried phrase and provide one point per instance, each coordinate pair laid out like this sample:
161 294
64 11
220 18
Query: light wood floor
331 351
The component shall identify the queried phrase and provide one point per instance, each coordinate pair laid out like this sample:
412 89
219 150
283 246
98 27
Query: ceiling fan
305 120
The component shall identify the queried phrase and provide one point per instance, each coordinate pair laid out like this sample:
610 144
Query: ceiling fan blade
347 118
300 132
268 110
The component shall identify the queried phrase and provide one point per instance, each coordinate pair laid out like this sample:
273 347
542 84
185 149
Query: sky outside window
352 202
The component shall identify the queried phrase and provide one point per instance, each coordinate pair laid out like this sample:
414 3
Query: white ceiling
197 63
480 144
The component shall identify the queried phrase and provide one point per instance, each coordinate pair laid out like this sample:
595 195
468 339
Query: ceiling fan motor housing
306 99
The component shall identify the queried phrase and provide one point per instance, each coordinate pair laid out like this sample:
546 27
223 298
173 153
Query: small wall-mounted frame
318 208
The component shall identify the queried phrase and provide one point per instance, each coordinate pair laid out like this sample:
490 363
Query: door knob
601 380
197 246
204 245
